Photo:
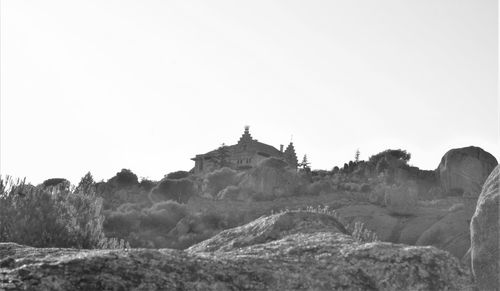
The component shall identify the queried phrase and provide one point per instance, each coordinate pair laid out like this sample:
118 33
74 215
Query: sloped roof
246 144
253 146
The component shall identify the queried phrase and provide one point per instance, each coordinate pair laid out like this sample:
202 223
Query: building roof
246 144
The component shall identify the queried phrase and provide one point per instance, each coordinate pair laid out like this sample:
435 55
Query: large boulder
451 233
287 251
484 230
416 225
375 218
389 227
464 170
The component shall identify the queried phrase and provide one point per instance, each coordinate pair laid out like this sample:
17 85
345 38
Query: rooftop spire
290 155
246 137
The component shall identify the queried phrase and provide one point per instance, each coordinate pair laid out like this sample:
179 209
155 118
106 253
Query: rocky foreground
286 251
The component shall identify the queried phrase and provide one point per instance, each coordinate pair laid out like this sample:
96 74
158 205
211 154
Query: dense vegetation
51 216
154 214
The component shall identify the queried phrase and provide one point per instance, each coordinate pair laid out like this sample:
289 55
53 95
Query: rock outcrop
464 170
451 233
287 251
375 218
436 227
485 234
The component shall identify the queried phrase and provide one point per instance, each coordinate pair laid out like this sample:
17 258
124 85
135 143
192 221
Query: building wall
238 158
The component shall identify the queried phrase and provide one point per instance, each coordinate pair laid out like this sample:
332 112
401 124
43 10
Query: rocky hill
285 251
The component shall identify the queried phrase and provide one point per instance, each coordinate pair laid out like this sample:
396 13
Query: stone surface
451 233
485 234
464 170
270 228
287 251
375 218
418 224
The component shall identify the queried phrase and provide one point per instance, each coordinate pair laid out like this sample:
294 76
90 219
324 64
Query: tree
124 178
177 175
290 156
398 154
305 164
356 156
86 184
179 190
221 158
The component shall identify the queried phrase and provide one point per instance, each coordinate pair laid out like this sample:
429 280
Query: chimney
281 148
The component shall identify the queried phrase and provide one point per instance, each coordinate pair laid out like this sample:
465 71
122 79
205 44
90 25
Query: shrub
163 214
36 217
124 178
177 175
55 182
377 195
272 162
121 223
146 227
179 190
86 184
390 155
362 234
146 184
218 180
319 187
402 199
365 188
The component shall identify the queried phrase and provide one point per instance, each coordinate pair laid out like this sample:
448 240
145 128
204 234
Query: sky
146 85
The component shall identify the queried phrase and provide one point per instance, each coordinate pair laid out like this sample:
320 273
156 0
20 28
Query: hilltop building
247 153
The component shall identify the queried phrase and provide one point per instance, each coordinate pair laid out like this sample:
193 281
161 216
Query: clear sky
103 85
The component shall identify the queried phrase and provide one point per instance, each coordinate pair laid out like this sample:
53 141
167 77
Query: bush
86 184
55 182
163 214
377 195
179 190
365 188
145 227
272 162
402 199
124 178
362 234
146 184
177 175
218 180
319 187
36 217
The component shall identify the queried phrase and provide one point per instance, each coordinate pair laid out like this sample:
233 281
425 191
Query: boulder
451 233
392 228
416 225
270 228
464 170
286 251
484 231
375 218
